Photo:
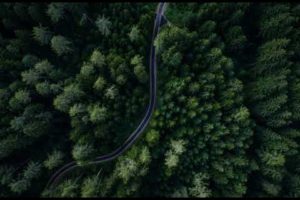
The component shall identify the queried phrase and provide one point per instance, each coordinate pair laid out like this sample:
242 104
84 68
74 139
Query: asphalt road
144 122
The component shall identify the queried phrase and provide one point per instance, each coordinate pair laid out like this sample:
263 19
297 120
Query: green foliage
82 153
42 35
90 187
98 59
43 88
139 69
54 159
104 25
98 113
70 95
43 67
56 11
134 34
111 92
126 169
77 109
74 84
20 99
152 137
6 173
87 70
32 171
29 60
61 45
172 155
19 186
180 193
68 189
99 83
30 77
200 187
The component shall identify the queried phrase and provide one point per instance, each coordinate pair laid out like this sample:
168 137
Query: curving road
145 121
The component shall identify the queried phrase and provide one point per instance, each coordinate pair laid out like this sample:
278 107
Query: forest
74 84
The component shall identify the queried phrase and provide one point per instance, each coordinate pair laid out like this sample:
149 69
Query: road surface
144 122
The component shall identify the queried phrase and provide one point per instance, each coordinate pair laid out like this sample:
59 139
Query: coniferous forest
74 84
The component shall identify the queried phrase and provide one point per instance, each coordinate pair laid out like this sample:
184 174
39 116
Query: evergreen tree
104 25
74 85
42 35
61 45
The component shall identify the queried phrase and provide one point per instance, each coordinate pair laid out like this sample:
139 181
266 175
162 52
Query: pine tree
42 35
70 95
82 153
56 11
61 45
104 25
54 159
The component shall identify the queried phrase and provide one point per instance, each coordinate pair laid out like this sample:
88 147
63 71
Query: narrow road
145 121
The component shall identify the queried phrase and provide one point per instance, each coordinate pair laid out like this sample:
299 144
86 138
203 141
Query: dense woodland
74 84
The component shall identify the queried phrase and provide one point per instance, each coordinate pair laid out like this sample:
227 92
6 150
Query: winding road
144 122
